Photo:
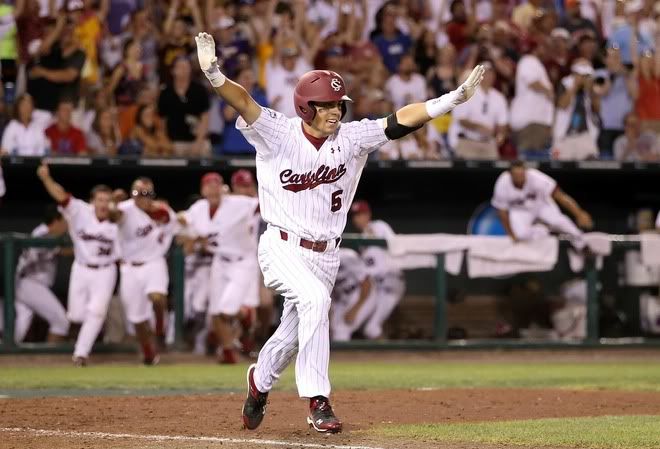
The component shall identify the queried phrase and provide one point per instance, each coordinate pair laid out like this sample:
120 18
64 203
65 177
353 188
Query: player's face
212 191
361 220
101 203
328 115
518 177
143 194
243 190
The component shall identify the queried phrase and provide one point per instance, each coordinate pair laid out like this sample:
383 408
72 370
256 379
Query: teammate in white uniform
242 183
308 168
526 200
352 296
146 230
96 251
389 282
226 223
35 275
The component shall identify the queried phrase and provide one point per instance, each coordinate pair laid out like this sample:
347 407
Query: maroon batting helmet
242 177
318 86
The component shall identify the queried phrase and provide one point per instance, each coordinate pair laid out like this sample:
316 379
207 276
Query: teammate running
308 169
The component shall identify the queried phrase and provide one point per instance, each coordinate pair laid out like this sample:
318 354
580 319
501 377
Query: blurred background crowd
566 79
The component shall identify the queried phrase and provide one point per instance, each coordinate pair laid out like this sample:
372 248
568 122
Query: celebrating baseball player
389 282
352 296
35 275
96 251
308 169
146 230
225 221
526 200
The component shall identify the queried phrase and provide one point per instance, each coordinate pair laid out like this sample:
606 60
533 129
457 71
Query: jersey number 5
336 201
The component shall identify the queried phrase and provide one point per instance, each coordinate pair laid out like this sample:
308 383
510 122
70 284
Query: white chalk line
162 438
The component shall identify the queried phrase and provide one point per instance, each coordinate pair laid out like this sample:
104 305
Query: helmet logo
335 84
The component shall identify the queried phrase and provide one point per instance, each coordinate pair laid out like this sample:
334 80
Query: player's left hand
468 88
584 220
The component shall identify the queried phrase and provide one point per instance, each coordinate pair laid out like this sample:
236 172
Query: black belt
229 259
95 266
317 247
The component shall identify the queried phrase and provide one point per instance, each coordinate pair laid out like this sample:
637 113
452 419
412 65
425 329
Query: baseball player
257 308
96 251
146 229
308 168
526 201
352 298
226 222
389 282
35 275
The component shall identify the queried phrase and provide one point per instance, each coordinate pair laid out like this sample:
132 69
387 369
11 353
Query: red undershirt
316 141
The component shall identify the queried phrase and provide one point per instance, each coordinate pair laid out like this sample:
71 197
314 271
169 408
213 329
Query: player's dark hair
144 179
99 188
517 164
51 214
455 4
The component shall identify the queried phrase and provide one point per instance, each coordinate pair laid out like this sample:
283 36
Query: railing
12 243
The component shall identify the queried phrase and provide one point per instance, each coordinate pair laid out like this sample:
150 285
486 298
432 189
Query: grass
344 375
606 432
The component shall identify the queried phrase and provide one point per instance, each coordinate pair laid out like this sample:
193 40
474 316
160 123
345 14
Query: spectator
65 139
88 30
532 109
230 46
177 38
461 27
129 77
149 135
282 73
57 74
574 22
30 28
426 51
184 105
104 138
392 43
619 92
524 13
8 47
587 48
576 123
635 145
442 77
406 86
559 64
233 141
622 37
647 72
478 127
24 136
414 146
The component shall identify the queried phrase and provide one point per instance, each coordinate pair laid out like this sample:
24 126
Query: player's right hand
469 87
205 51
43 171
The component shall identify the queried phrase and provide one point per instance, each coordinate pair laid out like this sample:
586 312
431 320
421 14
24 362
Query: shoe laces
323 409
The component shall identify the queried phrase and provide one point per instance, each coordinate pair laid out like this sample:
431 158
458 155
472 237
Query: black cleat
254 408
321 417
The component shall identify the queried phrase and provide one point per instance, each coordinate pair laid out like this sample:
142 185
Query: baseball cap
360 207
225 22
242 178
560 32
211 177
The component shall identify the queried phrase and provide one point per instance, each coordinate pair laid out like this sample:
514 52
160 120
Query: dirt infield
146 421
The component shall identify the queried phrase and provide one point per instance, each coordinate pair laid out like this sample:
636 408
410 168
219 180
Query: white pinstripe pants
305 279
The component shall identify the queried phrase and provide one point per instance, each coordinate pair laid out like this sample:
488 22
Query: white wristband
435 107
215 76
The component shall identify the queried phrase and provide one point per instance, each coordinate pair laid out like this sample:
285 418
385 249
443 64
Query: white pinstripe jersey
304 190
144 239
38 264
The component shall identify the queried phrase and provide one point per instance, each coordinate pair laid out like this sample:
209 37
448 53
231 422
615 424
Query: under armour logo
335 84
332 150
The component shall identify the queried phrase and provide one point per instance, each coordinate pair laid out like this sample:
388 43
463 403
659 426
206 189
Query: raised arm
234 94
54 189
415 115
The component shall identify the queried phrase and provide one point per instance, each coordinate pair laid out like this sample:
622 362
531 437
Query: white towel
500 256
599 243
650 244
414 250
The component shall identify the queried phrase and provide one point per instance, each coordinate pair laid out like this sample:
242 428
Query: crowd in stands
566 79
